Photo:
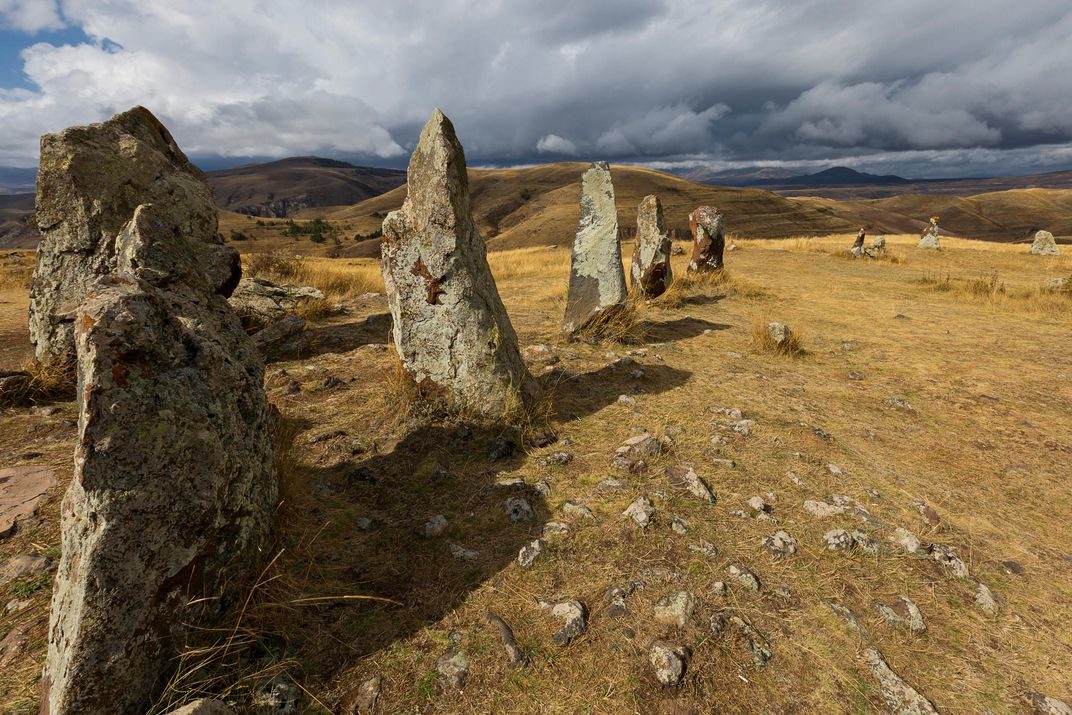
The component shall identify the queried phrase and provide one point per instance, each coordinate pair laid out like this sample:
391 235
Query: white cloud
30 15
554 144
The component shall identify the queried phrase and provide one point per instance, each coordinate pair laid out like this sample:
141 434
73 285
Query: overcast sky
916 87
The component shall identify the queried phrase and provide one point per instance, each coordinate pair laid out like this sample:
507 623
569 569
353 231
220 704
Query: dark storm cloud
929 87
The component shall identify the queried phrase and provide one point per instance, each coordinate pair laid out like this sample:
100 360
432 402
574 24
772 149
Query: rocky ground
694 525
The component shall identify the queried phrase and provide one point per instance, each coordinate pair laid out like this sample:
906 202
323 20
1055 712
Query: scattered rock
575 618
554 528
513 650
451 330
756 644
616 595
929 239
576 510
1044 245
838 540
835 470
907 540
679 525
259 302
635 450
453 669
22 565
900 697
675 609
530 552
518 510
368 694
502 448
708 240
1046 705
204 706
687 479
463 554
284 339
627 400
555 459
903 613
651 273
823 510
947 556
844 614
927 512
640 511
597 287
278 697
669 662
22 489
779 333
743 576
780 544
433 527
984 599
864 542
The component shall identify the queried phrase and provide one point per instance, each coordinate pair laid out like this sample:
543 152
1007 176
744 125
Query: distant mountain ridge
279 189
834 176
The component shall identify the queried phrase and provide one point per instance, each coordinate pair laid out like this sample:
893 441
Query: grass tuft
763 341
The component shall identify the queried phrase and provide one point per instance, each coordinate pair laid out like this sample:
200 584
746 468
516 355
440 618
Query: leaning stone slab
708 240
597 280
91 180
22 489
174 482
451 329
1044 245
651 273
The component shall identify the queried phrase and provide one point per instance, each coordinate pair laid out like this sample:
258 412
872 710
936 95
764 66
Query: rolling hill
14 210
281 188
538 205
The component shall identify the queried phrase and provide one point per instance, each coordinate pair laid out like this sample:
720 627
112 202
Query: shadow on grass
679 329
577 396
345 337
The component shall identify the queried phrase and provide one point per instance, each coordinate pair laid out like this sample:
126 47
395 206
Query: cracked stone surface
597 279
91 181
651 274
451 330
175 481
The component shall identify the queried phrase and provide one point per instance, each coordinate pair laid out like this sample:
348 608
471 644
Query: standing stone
708 240
450 326
90 182
174 482
1044 245
651 273
929 239
597 280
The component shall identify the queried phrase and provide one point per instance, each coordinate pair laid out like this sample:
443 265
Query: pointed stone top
705 215
651 203
601 165
437 181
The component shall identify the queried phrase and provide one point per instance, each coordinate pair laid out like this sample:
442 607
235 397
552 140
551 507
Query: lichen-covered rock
708 240
259 302
929 239
90 182
1044 245
669 662
597 280
174 482
651 272
900 697
451 330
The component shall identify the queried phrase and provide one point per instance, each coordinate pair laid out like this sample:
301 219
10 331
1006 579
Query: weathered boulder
451 329
284 339
1044 245
597 280
651 273
259 302
929 239
90 182
708 240
174 482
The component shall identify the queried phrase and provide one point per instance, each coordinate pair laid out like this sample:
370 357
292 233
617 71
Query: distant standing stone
651 272
1044 245
929 239
597 279
451 329
708 240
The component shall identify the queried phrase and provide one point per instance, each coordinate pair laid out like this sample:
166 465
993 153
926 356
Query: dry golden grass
950 396
764 341
336 278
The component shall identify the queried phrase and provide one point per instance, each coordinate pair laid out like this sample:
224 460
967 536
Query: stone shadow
576 396
679 329
352 529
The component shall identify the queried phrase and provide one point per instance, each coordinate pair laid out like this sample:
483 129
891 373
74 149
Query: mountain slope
539 206
281 188
14 210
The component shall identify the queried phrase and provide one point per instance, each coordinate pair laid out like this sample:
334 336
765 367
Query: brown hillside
14 233
281 188
539 206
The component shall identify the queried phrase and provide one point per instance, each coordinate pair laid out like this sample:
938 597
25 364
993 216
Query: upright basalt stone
651 273
90 181
708 240
929 238
597 280
174 482
1044 245
451 329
